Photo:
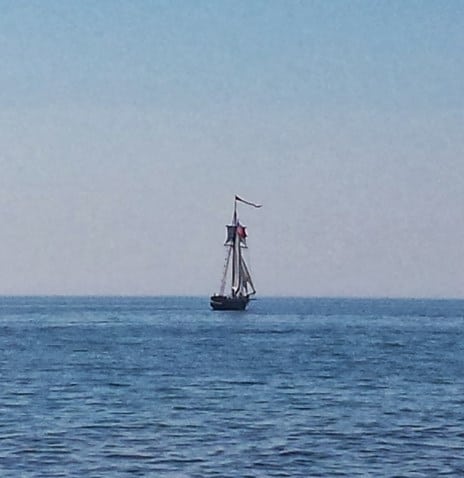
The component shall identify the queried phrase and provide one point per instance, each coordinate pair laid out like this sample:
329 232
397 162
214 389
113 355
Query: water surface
291 388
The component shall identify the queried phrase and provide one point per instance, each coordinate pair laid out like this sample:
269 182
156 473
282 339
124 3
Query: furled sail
231 231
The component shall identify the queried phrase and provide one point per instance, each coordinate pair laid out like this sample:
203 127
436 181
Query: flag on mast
237 198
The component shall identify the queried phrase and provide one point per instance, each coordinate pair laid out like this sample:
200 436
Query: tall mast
234 251
240 275
238 268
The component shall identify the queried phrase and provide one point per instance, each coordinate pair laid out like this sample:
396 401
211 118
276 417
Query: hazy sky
126 128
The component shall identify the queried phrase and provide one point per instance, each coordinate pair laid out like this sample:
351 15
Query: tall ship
236 273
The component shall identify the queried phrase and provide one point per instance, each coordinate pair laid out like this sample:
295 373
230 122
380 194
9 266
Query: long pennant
237 198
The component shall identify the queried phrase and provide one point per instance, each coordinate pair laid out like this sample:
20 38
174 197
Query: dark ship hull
222 302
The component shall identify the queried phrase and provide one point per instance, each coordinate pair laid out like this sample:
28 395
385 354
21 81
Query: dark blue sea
164 387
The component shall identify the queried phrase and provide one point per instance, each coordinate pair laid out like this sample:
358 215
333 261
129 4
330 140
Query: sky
126 129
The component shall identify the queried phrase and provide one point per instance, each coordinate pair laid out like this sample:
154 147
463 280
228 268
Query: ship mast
234 287
240 275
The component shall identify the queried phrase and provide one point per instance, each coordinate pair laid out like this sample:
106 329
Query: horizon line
206 296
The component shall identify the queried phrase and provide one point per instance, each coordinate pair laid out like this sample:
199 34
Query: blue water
165 387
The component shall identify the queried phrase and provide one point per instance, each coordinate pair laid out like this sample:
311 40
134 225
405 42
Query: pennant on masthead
237 198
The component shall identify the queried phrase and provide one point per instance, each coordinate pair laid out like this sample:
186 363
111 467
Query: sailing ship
235 267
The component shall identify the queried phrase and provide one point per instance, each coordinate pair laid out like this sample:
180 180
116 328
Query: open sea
165 387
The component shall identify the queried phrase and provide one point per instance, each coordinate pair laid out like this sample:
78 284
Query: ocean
165 387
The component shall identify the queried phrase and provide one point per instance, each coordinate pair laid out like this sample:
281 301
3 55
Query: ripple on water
166 388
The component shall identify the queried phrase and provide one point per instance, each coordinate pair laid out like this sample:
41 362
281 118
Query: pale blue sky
126 128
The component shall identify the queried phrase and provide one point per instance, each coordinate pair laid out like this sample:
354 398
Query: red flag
241 231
